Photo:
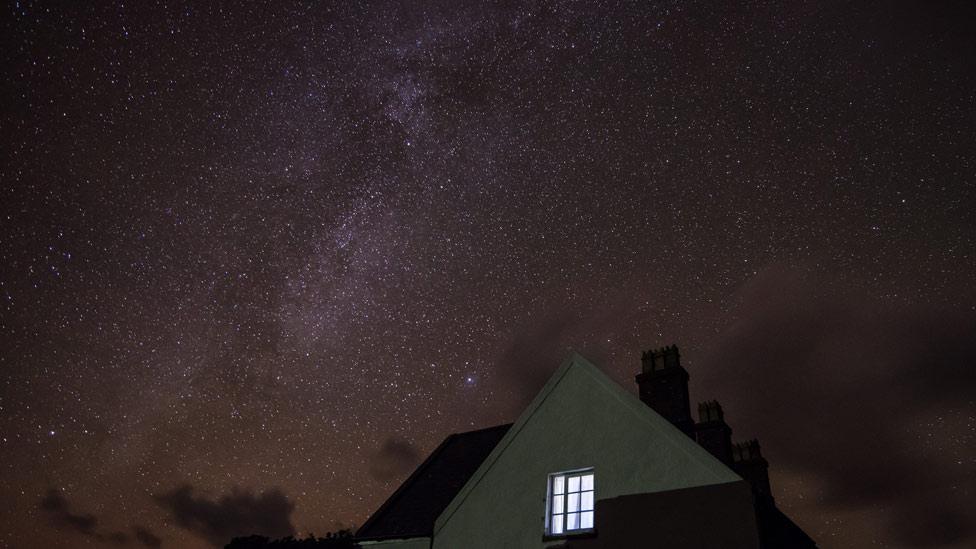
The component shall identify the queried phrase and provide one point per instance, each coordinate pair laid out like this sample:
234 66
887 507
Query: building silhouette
588 465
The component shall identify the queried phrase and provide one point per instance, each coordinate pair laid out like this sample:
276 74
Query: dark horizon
257 262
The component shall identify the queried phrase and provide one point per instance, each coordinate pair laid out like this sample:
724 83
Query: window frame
564 516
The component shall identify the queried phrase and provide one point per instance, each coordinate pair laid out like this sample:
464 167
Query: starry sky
257 261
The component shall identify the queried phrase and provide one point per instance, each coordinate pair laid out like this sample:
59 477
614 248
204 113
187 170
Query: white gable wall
580 419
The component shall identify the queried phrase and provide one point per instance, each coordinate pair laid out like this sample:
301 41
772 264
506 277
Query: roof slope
413 508
580 419
666 458
779 530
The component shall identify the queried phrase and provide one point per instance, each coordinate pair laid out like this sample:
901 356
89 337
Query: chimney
750 465
712 433
663 385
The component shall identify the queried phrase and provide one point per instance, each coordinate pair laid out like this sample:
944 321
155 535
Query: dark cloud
395 459
240 513
115 538
146 537
58 510
539 345
871 397
533 354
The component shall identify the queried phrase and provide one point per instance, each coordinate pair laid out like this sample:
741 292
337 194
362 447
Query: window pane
586 520
587 482
573 503
586 501
574 484
557 524
557 504
557 484
572 521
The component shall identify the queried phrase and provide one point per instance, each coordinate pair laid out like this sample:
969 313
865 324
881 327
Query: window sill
588 533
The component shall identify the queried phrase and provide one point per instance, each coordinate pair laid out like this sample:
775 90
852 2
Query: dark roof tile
413 508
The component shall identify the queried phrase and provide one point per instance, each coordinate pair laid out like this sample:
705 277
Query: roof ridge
575 360
505 425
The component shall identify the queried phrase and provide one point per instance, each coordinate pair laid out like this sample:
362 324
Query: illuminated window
570 502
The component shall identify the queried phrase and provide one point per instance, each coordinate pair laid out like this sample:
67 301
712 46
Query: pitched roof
779 530
706 469
413 508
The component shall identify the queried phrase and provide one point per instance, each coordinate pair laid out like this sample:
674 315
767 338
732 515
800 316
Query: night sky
256 262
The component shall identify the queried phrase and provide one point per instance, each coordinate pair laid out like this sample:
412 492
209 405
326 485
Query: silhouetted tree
342 539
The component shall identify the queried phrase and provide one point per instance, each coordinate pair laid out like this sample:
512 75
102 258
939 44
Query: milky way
267 257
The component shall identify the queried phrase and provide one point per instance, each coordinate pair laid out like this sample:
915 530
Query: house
589 465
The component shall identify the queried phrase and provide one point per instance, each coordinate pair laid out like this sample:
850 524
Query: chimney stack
663 385
712 433
750 465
